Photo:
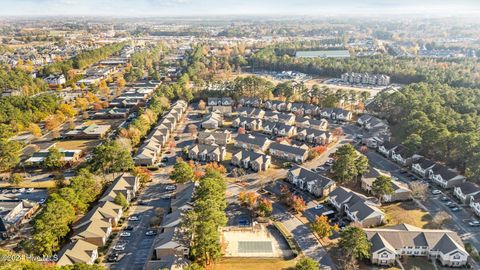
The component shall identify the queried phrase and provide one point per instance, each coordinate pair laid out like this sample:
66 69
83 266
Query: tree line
16 79
455 72
81 60
437 121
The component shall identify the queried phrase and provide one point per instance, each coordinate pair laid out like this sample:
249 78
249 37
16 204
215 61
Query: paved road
302 234
139 247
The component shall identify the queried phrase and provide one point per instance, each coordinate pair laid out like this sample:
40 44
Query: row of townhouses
93 230
366 78
283 150
149 153
297 108
389 244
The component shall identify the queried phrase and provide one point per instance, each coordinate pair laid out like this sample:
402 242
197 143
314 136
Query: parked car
125 234
436 192
151 233
133 218
170 187
114 257
176 138
474 223
128 228
444 199
455 209
119 247
319 206
451 206
165 159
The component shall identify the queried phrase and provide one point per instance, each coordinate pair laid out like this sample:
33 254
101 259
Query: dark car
114 257
176 138
165 159
128 228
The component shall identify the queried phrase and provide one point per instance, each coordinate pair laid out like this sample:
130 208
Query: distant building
83 132
365 78
323 54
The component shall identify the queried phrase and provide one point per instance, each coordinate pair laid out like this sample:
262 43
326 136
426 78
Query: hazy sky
231 7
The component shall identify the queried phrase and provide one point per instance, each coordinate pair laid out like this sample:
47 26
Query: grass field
83 145
406 212
253 264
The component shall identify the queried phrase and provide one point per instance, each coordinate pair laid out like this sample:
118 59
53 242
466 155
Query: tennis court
255 247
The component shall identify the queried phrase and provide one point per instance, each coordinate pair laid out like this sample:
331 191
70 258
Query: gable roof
255 140
468 188
424 163
444 171
299 151
404 235
79 251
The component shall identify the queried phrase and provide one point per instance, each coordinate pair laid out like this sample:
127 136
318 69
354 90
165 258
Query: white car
170 187
436 192
125 234
133 218
30 190
474 223
318 206
119 247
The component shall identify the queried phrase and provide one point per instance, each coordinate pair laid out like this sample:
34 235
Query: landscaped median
288 237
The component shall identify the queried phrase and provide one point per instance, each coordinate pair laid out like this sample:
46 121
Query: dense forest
82 60
438 121
18 79
17 112
456 73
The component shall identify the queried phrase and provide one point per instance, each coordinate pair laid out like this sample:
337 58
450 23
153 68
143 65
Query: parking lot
138 246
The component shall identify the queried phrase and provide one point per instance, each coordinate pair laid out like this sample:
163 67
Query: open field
253 264
406 212
84 145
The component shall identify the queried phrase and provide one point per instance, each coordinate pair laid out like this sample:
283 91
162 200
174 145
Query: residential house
247 123
284 130
302 122
356 207
251 112
422 166
77 252
315 136
288 152
371 122
224 101
297 108
249 142
268 126
212 120
55 80
182 197
465 191
389 244
310 109
126 184
403 155
171 242
113 113
94 231
251 160
222 110
91 132
207 153
386 148
401 192
314 183
445 177
250 102
341 114
276 105
475 203
149 153
218 138
270 116
286 118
